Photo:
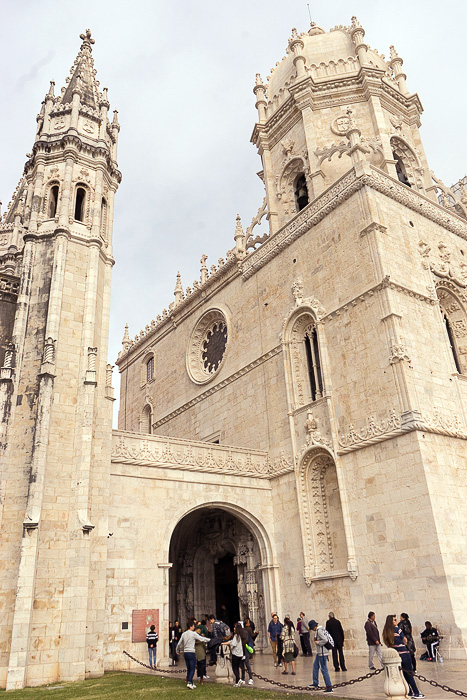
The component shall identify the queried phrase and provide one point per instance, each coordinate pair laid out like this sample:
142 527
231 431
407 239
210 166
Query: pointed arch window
80 200
53 201
303 358
150 369
455 322
146 420
301 192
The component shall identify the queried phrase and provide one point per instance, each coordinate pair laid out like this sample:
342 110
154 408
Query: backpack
330 643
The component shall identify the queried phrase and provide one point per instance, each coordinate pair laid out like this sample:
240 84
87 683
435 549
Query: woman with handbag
288 640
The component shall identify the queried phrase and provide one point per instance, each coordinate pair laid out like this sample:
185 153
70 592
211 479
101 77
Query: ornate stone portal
216 562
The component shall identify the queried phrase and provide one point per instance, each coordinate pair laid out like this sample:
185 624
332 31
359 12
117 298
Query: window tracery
307 377
454 312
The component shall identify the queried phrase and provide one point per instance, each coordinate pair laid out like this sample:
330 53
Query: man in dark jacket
373 641
334 628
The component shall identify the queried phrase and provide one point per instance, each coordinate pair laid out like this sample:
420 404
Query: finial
294 33
259 80
204 269
126 339
87 40
51 89
393 53
355 23
239 238
178 292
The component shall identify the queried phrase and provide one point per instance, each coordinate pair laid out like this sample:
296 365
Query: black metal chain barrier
267 680
161 670
352 681
459 693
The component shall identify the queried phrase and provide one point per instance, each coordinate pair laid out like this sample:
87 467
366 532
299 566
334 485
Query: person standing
187 644
406 627
305 632
237 645
394 639
373 640
151 640
274 630
200 653
288 638
220 630
336 631
321 658
175 634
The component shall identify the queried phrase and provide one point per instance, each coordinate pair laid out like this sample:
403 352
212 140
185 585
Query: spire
83 75
178 292
126 339
239 238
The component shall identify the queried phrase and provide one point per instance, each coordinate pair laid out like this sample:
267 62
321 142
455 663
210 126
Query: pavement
452 672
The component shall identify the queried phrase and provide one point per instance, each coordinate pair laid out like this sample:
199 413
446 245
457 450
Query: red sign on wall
141 621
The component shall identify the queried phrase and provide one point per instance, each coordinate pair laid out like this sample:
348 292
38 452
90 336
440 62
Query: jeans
321 662
372 650
152 656
190 660
407 670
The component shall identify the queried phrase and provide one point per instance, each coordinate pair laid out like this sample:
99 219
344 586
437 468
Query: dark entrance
225 576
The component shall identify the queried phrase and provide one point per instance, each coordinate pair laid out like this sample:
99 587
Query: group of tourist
211 635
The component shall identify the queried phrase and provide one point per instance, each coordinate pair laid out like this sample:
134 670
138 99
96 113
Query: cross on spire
87 39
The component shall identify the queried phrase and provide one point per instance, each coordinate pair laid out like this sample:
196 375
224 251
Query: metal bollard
395 685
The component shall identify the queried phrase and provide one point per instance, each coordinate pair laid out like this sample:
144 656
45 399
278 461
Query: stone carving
207 346
373 429
252 242
313 435
154 451
340 125
398 352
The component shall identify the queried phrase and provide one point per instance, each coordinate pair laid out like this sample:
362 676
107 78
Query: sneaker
190 686
420 695
311 686
372 668
275 664
241 682
328 690
250 682
237 685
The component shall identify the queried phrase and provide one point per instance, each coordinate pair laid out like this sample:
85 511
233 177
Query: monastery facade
297 417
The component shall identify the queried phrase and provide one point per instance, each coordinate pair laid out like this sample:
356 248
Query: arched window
301 192
303 358
455 321
53 202
150 369
79 203
401 171
146 420
103 225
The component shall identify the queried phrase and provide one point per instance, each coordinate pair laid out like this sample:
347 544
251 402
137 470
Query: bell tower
55 387
329 101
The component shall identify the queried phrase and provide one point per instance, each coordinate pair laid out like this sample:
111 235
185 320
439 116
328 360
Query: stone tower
55 387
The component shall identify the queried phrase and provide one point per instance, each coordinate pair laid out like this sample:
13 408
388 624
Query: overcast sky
181 75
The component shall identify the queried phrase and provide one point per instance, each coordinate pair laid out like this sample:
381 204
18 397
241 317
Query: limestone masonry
298 414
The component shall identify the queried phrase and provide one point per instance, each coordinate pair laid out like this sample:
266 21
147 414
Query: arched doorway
216 568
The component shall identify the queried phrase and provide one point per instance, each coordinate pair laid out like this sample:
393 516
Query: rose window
208 343
214 347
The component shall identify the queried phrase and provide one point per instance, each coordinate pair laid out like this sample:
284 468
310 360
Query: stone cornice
212 390
190 455
338 193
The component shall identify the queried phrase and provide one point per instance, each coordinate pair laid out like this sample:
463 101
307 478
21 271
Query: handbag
295 651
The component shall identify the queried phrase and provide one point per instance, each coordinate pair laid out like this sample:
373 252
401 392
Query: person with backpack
151 640
324 642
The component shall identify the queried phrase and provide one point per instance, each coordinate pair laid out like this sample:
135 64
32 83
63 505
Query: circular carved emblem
340 125
208 343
